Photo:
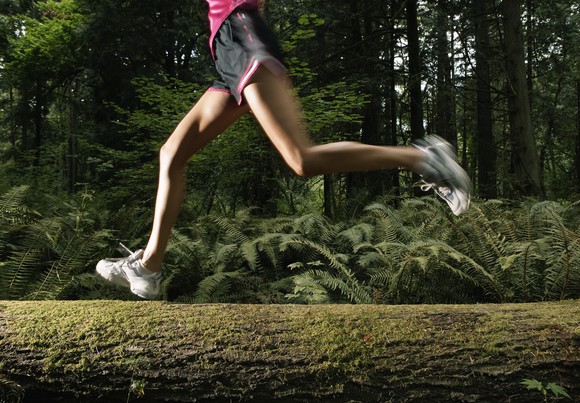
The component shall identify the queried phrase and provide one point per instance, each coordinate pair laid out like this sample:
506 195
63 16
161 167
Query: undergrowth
498 251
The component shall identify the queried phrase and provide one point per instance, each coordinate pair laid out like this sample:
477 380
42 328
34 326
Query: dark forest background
89 90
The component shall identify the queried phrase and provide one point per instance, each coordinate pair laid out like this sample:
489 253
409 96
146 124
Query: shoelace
126 261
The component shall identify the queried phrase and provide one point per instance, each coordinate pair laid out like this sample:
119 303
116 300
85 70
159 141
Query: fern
46 253
211 288
308 290
12 201
388 224
231 230
356 235
563 273
529 250
314 226
343 280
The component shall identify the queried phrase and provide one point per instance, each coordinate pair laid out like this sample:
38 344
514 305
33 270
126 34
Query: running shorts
243 43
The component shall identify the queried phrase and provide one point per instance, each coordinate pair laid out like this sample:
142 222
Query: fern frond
232 232
356 235
563 273
427 256
19 272
482 241
308 290
335 260
314 226
263 251
12 199
72 255
388 224
226 254
350 289
213 287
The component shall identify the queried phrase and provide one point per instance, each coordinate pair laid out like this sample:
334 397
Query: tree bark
486 156
73 127
415 92
578 136
524 153
417 129
109 350
445 120
392 101
38 121
364 187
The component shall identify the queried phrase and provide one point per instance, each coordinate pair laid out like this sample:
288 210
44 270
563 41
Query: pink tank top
219 10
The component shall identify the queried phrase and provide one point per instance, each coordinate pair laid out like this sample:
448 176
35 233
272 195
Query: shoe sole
143 295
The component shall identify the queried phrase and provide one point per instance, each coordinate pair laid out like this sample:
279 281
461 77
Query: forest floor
117 350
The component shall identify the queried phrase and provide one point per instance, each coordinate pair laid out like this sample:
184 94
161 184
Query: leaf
507 262
533 384
557 390
296 265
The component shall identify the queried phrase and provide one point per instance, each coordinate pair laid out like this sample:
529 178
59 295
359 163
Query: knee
302 165
169 161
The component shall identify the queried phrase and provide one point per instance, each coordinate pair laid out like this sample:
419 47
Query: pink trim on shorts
246 77
213 89
271 63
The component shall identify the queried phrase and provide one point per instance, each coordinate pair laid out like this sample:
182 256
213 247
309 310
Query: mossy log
112 351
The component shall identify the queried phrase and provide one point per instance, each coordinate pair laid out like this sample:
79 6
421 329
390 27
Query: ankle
419 162
150 265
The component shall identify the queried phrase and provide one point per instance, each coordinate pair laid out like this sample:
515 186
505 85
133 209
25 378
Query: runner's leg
210 116
277 110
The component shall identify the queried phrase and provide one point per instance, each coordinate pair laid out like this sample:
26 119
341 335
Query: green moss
76 337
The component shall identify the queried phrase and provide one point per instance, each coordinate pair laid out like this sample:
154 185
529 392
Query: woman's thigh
213 113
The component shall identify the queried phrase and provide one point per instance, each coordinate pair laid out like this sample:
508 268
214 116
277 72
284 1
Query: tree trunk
530 48
547 150
12 104
417 129
524 154
38 121
578 136
329 196
486 157
109 350
416 98
392 99
73 127
445 120
364 187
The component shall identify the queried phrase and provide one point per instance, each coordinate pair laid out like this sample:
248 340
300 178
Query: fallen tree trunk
112 351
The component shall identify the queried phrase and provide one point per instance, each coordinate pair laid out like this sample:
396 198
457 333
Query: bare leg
210 116
277 110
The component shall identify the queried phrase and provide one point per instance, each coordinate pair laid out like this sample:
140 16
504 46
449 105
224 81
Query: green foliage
547 391
418 253
163 104
47 46
527 251
89 91
41 253
137 388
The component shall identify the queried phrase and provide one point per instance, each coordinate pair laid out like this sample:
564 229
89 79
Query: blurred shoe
441 172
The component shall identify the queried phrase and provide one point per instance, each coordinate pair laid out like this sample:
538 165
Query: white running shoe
442 173
131 273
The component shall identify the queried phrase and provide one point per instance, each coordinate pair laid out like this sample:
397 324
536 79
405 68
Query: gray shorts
243 43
